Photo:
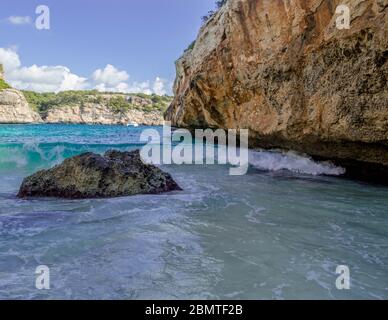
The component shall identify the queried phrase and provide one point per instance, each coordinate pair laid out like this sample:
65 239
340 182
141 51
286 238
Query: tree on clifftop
219 5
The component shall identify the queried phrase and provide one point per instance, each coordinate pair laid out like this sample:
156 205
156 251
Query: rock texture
282 69
15 109
93 113
94 176
100 112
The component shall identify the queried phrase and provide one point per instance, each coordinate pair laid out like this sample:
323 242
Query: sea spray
287 160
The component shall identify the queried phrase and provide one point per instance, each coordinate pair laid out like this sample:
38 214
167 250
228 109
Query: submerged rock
90 175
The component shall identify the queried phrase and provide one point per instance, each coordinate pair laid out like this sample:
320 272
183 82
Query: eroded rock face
94 176
101 113
15 109
93 113
282 69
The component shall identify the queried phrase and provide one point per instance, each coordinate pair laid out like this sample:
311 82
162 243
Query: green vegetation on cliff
118 102
4 85
211 13
42 102
219 5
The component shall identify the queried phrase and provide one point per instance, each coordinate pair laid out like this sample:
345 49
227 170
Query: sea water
279 232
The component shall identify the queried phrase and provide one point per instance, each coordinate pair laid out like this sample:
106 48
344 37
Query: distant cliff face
93 113
98 108
81 107
282 69
15 109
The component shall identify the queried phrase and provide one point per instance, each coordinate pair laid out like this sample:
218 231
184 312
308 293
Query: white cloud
45 79
10 59
112 79
38 78
73 82
110 76
19 20
143 87
60 78
159 86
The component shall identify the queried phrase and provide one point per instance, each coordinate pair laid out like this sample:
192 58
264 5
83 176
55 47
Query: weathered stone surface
94 176
93 113
101 113
15 109
282 69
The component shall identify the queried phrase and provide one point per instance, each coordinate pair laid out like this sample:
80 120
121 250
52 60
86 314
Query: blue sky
142 38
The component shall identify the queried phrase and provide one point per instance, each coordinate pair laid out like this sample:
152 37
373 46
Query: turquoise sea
278 232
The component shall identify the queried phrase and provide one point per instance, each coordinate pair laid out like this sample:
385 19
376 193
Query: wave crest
33 155
292 161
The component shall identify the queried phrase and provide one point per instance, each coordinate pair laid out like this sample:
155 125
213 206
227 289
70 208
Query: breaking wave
291 161
33 155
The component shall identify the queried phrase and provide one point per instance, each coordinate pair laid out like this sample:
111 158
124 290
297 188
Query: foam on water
258 236
34 153
282 160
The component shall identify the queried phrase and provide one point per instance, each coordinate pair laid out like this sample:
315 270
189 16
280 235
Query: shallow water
278 232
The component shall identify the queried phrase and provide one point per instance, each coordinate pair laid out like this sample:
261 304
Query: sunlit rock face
14 108
97 113
283 69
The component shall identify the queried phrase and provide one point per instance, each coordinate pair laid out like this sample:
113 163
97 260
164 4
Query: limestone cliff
283 70
92 107
15 109
101 113
79 107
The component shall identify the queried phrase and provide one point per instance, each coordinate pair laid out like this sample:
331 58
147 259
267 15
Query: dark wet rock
90 175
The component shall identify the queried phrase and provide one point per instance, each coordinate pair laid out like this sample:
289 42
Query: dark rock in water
91 175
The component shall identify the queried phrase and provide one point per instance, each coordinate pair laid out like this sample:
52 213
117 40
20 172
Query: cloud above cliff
38 78
60 78
46 79
9 59
112 79
110 76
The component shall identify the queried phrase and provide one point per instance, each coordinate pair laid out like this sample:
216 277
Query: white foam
17 160
282 160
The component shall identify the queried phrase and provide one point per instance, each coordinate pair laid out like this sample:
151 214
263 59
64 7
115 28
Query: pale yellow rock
92 113
15 109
